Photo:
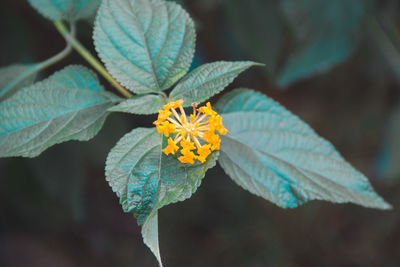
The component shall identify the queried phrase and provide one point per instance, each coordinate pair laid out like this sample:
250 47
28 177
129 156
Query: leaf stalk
37 67
89 57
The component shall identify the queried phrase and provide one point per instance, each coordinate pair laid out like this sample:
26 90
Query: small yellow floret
163 115
203 152
166 128
210 135
187 145
168 106
188 157
216 123
172 148
177 103
207 110
213 139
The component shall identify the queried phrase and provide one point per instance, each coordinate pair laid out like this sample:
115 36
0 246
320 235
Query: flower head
196 133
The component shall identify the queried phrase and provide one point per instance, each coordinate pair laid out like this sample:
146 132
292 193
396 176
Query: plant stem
89 58
59 56
37 67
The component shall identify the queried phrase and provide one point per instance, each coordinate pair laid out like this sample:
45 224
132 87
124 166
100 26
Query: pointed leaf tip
208 80
273 154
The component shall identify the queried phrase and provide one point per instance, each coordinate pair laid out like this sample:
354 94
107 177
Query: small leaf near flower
198 131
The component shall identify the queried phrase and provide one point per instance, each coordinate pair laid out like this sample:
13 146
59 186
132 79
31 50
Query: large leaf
147 45
14 77
208 80
150 235
275 155
65 9
69 105
141 104
145 179
326 32
244 99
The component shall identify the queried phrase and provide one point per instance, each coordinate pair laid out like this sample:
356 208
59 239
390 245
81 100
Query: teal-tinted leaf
140 104
275 155
258 27
316 57
65 9
150 235
145 179
135 184
243 99
183 184
208 80
326 32
14 77
147 45
69 105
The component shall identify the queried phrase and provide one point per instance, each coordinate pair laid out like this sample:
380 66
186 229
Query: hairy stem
90 58
37 67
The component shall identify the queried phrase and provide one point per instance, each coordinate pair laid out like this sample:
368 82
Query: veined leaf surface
145 179
208 80
14 77
275 155
65 9
141 104
147 45
69 105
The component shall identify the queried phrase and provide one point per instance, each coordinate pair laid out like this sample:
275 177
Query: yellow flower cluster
198 132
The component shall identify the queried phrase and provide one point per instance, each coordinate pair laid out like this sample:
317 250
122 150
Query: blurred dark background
336 64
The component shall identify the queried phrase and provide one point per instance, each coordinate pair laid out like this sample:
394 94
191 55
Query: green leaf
140 104
136 166
275 155
69 105
147 45
208 80
244 99
14 77
326 33
65 9
181 185
145 179
150 235
135 184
